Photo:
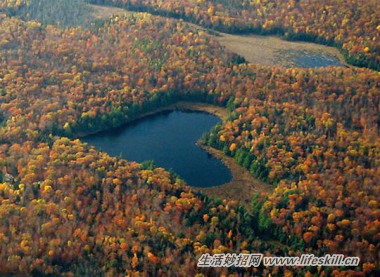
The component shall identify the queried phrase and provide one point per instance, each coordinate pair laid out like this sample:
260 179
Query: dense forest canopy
66 208
354 27
351 25
58 12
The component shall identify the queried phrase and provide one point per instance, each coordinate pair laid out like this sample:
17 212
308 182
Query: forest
353 27
313 134
350 25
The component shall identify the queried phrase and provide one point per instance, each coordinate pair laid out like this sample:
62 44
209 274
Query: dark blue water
169 139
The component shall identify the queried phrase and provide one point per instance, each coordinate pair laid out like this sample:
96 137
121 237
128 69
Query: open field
271 50
265 50
103 12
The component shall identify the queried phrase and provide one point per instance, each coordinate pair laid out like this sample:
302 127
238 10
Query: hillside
350 25
68 209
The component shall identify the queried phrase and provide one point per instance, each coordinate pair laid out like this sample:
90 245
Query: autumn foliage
351 25
66 208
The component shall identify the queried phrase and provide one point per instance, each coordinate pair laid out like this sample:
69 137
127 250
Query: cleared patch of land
271 50
104 12
265 50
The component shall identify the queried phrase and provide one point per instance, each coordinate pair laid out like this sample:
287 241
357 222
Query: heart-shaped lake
169 139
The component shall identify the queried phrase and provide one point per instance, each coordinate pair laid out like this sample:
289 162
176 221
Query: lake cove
169 138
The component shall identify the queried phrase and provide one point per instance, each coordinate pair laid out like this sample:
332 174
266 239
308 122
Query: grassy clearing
103 12
268 50
265 50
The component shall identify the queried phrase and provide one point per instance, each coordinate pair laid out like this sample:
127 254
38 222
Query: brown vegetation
311 133
242 186
257 49
106 12
267 50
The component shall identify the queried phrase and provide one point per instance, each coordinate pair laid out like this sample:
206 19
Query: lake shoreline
243 185
218 111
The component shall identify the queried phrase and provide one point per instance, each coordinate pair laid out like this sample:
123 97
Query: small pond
304 58
169 139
